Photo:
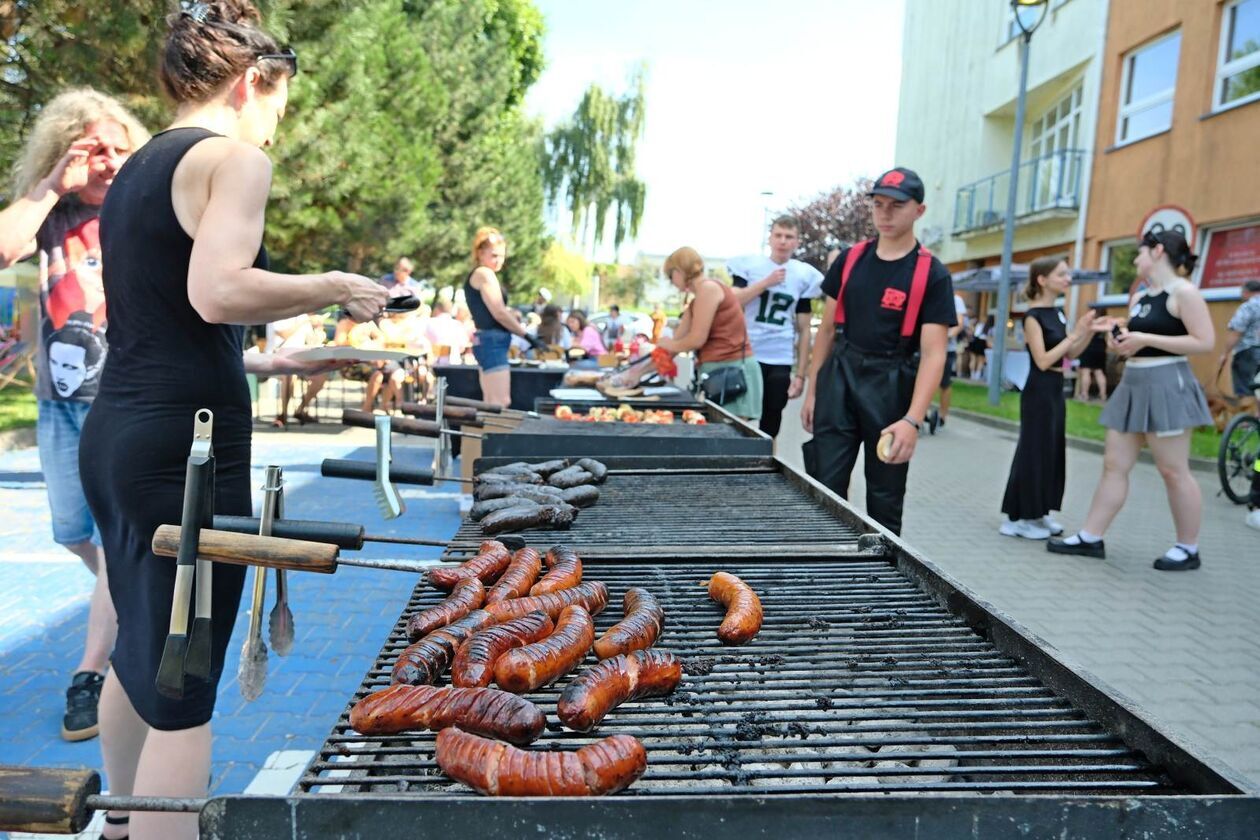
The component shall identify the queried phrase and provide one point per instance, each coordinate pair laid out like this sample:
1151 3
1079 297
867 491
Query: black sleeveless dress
1038 472
165 363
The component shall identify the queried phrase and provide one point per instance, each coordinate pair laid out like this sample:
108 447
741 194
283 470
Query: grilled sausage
480 510
564 571
425 661
474 661
583 495
468 595
544 662
553 517
743 608
591 595
601 688
520 575
499 489
546 468
497 769
485 711
492 558
598 471
517 468
570 477
643 623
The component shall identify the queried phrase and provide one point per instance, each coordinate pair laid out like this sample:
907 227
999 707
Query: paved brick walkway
1184 646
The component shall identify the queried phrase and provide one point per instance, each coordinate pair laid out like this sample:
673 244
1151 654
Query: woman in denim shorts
494 321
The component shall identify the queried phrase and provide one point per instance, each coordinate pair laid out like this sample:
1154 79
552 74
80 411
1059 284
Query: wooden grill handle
46 800
402 425
252 550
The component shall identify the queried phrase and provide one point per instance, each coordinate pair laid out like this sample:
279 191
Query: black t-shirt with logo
877 294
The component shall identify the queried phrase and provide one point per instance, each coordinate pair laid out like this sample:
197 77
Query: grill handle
345 535
402 425
453 413
252 550
366 471
45 799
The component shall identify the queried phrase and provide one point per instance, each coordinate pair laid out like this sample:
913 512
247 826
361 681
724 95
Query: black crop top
1149 314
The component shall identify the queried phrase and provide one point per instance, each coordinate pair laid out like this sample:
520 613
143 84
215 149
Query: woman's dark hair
550 329
580 317
1176 248
210 43
1038 271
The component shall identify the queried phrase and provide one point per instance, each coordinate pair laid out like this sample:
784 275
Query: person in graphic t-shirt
877 361
79 142
775 292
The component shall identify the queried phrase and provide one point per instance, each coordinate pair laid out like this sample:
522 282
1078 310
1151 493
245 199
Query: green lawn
1082 418
17 408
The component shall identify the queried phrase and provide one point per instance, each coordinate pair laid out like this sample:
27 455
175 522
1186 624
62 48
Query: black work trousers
775 381
859 395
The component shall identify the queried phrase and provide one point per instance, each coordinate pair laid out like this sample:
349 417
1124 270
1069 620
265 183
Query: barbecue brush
387 498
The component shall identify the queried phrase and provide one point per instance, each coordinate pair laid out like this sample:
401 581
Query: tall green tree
589 164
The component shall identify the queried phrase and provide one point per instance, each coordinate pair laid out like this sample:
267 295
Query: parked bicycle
1240 449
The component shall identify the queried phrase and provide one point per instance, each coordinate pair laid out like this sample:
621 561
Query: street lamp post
1028 16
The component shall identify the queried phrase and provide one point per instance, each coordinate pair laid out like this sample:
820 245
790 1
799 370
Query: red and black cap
900 183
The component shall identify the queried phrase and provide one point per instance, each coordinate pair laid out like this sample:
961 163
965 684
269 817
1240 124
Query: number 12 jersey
771 316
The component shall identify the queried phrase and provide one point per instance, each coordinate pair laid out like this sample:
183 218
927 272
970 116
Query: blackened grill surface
857 683
733 514
552 426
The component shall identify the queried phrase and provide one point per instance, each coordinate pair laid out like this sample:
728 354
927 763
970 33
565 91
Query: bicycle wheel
1240 447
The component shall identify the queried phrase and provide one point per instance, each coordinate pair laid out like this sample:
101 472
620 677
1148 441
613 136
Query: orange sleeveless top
728 336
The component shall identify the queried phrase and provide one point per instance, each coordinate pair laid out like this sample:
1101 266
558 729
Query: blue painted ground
341 619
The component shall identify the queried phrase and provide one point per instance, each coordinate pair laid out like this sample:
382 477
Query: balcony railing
1052 182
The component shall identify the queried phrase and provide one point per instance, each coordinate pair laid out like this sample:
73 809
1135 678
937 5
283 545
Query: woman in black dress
181 236
1035 486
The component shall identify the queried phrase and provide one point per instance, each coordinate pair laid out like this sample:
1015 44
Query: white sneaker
1051 524
1253 519
1029 529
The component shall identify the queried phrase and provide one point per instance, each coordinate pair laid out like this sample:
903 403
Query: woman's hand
1084 325
363 298
71 172
1130 342
796 386
807 412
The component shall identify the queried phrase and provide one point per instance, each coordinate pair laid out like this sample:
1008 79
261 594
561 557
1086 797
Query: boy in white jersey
775 292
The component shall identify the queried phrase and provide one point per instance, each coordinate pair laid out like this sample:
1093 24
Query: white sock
1181 551
1189 548
1082 537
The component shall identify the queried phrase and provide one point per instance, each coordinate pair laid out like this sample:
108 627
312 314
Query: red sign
1233 258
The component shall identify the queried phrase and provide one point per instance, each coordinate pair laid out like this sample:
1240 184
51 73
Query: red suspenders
918 285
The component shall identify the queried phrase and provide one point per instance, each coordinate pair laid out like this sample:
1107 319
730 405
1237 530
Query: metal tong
252 673
187 650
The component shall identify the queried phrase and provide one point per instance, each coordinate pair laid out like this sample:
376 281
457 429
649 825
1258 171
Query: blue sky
743 96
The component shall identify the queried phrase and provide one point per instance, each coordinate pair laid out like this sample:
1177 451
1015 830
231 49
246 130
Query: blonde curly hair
63 121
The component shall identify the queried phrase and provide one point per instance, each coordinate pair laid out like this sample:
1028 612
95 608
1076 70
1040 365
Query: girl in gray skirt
1158 401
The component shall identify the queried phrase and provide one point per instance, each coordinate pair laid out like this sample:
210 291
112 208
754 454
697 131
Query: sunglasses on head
287 54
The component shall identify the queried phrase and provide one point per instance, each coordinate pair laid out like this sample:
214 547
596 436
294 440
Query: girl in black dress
1035 486
181 236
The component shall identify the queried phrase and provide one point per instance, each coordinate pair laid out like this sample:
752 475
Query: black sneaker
1097 550
1167 564
84 693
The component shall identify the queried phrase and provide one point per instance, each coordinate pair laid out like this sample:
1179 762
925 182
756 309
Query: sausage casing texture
743 608
499 489
556 517
526 473
598 471
468 595
474 661
570 477
485 711
601 688
643 622
480 510
592 595
564 571
490 561
542 663
497 769
546 468
584 495
424 662
530 493
519 577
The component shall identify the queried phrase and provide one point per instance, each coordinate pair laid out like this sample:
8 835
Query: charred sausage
425 661
643 623
581 496
591 595
564 571
570 477
601 688
497 769
520 575
542 663
499 489
546 468
485 711
480 510
598 471
553 517
474 661
743 608
468 595
492 558
527 473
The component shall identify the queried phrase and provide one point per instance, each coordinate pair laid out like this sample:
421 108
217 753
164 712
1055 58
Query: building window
1053 138
1146 89
1117 259
1231 257
1238 71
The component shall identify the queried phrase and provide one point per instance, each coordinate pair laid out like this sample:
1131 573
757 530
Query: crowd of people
166 234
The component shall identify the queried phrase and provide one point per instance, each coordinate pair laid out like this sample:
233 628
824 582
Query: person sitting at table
366 336
490 313
446 335
402 331
588 337
552 330
309 332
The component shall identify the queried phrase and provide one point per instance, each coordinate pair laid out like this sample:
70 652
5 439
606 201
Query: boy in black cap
880 353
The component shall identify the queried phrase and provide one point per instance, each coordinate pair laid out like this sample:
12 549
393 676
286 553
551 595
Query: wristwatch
911 421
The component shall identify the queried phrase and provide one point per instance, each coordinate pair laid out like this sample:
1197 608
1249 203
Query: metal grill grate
552 426
724 513
858 682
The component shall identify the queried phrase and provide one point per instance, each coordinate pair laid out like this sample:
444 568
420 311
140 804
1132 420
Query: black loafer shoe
1097 550
82 697
1167 564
